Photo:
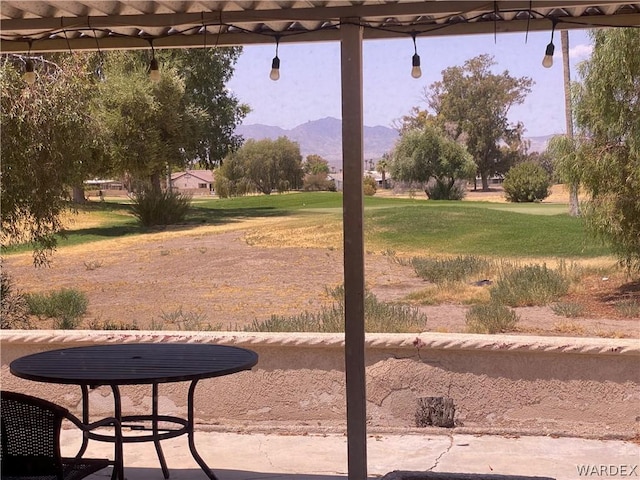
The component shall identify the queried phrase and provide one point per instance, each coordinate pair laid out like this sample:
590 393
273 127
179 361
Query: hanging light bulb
275 64
547 61
416 72
154 70
29 74
275 69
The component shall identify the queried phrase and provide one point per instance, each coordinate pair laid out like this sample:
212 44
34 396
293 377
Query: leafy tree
473 103
50 142
315 165
422 154
607 112
205 72
152 127
229 179
545 160
526 182
564 151
268 165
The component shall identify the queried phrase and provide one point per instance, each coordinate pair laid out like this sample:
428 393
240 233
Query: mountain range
324 137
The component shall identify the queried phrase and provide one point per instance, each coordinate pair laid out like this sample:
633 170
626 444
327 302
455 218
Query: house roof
204 175
62 25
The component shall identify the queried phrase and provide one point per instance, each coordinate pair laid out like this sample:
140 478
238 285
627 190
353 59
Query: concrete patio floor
253 456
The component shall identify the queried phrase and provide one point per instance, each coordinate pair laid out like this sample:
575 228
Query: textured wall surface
515 384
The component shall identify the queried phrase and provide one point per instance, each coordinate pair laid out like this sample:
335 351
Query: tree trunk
574 205
77 195
485 181
155 182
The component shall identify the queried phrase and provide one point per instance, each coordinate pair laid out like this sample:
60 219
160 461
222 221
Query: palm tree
381 167
574 206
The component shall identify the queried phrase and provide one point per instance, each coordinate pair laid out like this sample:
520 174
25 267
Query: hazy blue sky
309 85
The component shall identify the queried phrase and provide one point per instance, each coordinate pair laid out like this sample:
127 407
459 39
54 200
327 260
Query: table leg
154 426
118 467
190 432
85 420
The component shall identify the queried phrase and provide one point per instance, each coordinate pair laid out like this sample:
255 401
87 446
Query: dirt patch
216 279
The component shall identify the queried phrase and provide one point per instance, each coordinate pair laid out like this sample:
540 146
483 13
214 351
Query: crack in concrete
265 452
447 450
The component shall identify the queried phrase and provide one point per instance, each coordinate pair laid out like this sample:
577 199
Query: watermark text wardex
608 470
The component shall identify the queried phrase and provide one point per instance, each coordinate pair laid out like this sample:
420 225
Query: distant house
338 180
195 182
103 187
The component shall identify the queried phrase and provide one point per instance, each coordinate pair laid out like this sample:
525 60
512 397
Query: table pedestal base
183 426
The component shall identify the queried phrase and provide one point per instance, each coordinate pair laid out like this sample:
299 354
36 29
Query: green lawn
477 228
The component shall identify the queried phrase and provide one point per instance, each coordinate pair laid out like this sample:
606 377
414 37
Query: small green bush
628 308
369 186
526 182
14 311
491 318
153 207
65 306
529 286
439 270
568 309
437 190
379 317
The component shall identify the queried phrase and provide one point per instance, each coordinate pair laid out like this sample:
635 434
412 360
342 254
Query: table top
131 364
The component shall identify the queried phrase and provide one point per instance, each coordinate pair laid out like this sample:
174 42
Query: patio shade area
41 26
62 25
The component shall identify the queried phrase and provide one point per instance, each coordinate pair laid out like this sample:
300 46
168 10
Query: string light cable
418 28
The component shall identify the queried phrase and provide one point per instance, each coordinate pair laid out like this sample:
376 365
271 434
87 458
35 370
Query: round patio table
138 364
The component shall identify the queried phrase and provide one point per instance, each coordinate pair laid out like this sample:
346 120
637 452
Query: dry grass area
222 278
227 276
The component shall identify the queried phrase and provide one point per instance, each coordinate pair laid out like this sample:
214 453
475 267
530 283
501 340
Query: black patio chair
31 441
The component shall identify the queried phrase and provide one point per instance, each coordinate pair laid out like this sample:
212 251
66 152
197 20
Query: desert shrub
315 182
113 325
369 186
491 318
628 308
530 285
443 270
380 317
66 306
437 190
526 182
568 309
152 207
14 311
184 320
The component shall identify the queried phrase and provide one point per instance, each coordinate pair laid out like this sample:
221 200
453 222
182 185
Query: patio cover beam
353 225
441 9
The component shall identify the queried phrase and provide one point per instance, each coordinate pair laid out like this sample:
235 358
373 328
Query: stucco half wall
500 384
